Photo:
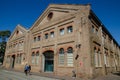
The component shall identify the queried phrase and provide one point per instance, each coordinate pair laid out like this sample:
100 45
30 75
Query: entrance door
13 61
48 62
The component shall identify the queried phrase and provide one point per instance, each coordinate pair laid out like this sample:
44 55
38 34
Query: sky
26 12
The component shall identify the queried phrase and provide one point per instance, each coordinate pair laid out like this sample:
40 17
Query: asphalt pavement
14 75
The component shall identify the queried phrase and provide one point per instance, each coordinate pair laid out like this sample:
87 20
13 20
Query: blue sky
26 12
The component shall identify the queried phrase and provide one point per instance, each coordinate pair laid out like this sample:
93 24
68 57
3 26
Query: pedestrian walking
29 69
26 69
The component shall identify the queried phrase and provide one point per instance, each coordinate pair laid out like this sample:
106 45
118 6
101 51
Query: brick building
64 38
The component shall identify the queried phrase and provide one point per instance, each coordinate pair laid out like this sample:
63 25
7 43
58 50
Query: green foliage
3 37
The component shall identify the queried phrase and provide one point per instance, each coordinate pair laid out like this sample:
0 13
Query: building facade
64 38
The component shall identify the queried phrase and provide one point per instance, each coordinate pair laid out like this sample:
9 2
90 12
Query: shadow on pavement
117 73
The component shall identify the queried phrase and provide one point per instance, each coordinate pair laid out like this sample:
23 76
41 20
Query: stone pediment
54 12
19 31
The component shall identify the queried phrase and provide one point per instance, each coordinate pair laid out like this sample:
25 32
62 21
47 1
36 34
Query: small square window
34 39
62 31
38 38
52 34
96 31
93 29
69 29
46 36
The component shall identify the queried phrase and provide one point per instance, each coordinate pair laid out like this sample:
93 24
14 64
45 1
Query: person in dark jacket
26 69
29 68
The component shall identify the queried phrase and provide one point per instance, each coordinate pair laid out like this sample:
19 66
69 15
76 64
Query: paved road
11 75
109 77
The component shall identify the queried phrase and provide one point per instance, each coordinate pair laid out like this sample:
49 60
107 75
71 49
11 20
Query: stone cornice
16 38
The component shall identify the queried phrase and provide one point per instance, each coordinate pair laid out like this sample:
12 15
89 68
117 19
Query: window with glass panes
95 57
38 38
52 34
106 58
62 31
70 56
33 58
34 39
17 58
93 29
99 58
37 57
20 58
69 29
61 56
46 36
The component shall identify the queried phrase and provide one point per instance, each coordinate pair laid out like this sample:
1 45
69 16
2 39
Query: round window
50 15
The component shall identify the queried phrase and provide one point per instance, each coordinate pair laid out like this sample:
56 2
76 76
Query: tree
2 50
4 35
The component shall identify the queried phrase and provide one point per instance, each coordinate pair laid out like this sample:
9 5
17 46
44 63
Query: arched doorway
13 61
48 61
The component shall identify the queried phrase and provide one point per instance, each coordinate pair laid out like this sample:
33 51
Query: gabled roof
59 10
18 30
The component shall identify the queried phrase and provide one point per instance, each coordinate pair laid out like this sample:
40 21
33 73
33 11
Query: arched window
33 57
106 57
20 58
61 51
17 60
99 58
61 56
37 57
70 56
70 50
95 57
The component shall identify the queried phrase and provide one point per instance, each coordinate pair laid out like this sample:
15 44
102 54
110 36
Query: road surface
12 75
